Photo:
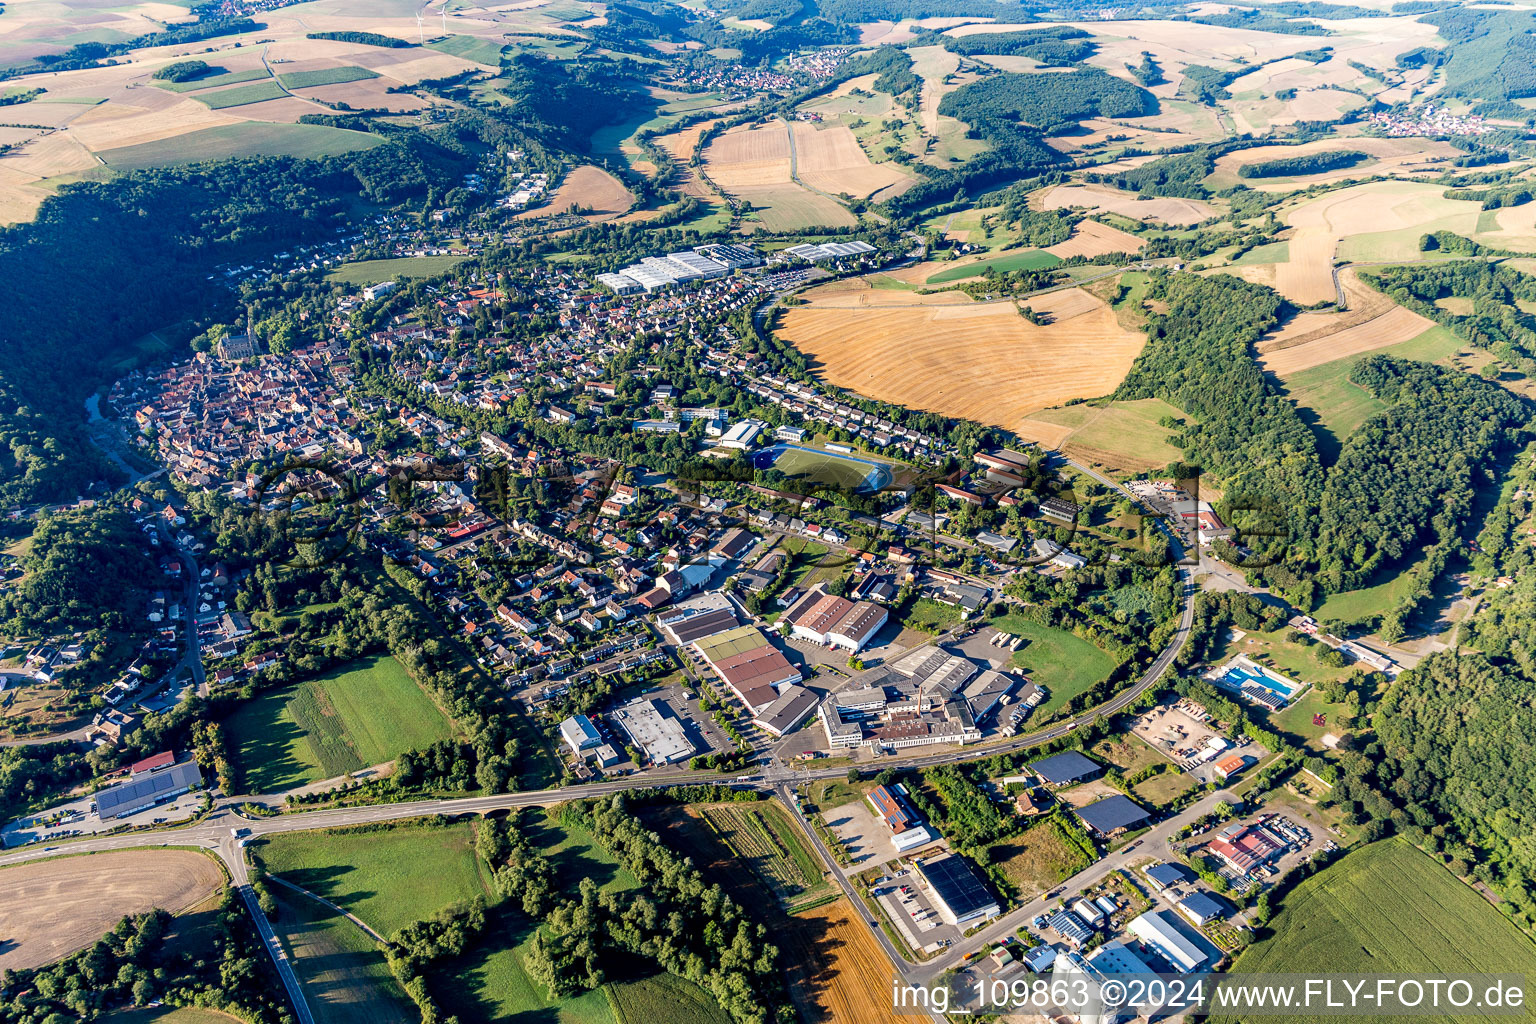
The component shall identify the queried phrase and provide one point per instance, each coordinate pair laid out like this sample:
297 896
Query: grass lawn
388 878
1340 405
664 997
1296 660
246 139
374 271
325 76
1064 664
1038 859
1353 606
1033 259
240 95
930 616
1163 788
341 969
358 715
1295 720
1388 909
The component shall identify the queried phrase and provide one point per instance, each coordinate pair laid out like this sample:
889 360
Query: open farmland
1395 325
240 95
765 840
1379 220
978 360
1091 238
54 907
1388 909
1388 156
358 715
830 159
324 76
589 188
1103 199
240 139
755 166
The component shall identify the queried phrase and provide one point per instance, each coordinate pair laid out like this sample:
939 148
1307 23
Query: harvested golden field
1395 325
792 208
111 126
591 188
838 973
830 159
1090 238
1380 220
978 360
1391 156
1516 228
749 156
1103 199
54 907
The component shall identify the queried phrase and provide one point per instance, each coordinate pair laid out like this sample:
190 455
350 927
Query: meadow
1119 436
358 715
1037 860
1033 259
1063 663
341 969
1388 909
368 272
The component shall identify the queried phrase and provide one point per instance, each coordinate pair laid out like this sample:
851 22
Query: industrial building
794 705
654 731
829 250
747 663
580 734
741 435
825 618
703 262
1067 768
915 700
1201 907
907 830
1243 848
1114 958
1163 876
959 895
1113 815
1070 927
164 780
1167 937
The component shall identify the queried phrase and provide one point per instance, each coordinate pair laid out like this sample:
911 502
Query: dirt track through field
53 908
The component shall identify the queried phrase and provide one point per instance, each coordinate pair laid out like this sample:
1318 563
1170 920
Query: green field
856 471
325 76
1038 859
1033 259
361 714
246 139
763 839
1063 663
1351 606
1118 435
373 271
664 997
1295 720
387 878
241 95
481 51
1387 909
214 81
340 968
1340 405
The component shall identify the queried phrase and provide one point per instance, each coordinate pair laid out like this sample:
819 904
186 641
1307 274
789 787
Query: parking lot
902 898
73 819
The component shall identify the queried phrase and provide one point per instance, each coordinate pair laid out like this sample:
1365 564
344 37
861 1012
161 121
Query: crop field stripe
325 76
242 95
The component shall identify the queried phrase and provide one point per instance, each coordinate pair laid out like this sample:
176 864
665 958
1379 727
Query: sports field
946 354
369 272
1063 663
1387 909
835 469
361 714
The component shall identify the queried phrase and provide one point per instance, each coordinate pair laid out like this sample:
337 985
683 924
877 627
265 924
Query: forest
86 571
1496 322
995 105
564 102
1312 163
362 38
1051 45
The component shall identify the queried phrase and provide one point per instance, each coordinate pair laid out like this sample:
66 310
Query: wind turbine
445 17
421 35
